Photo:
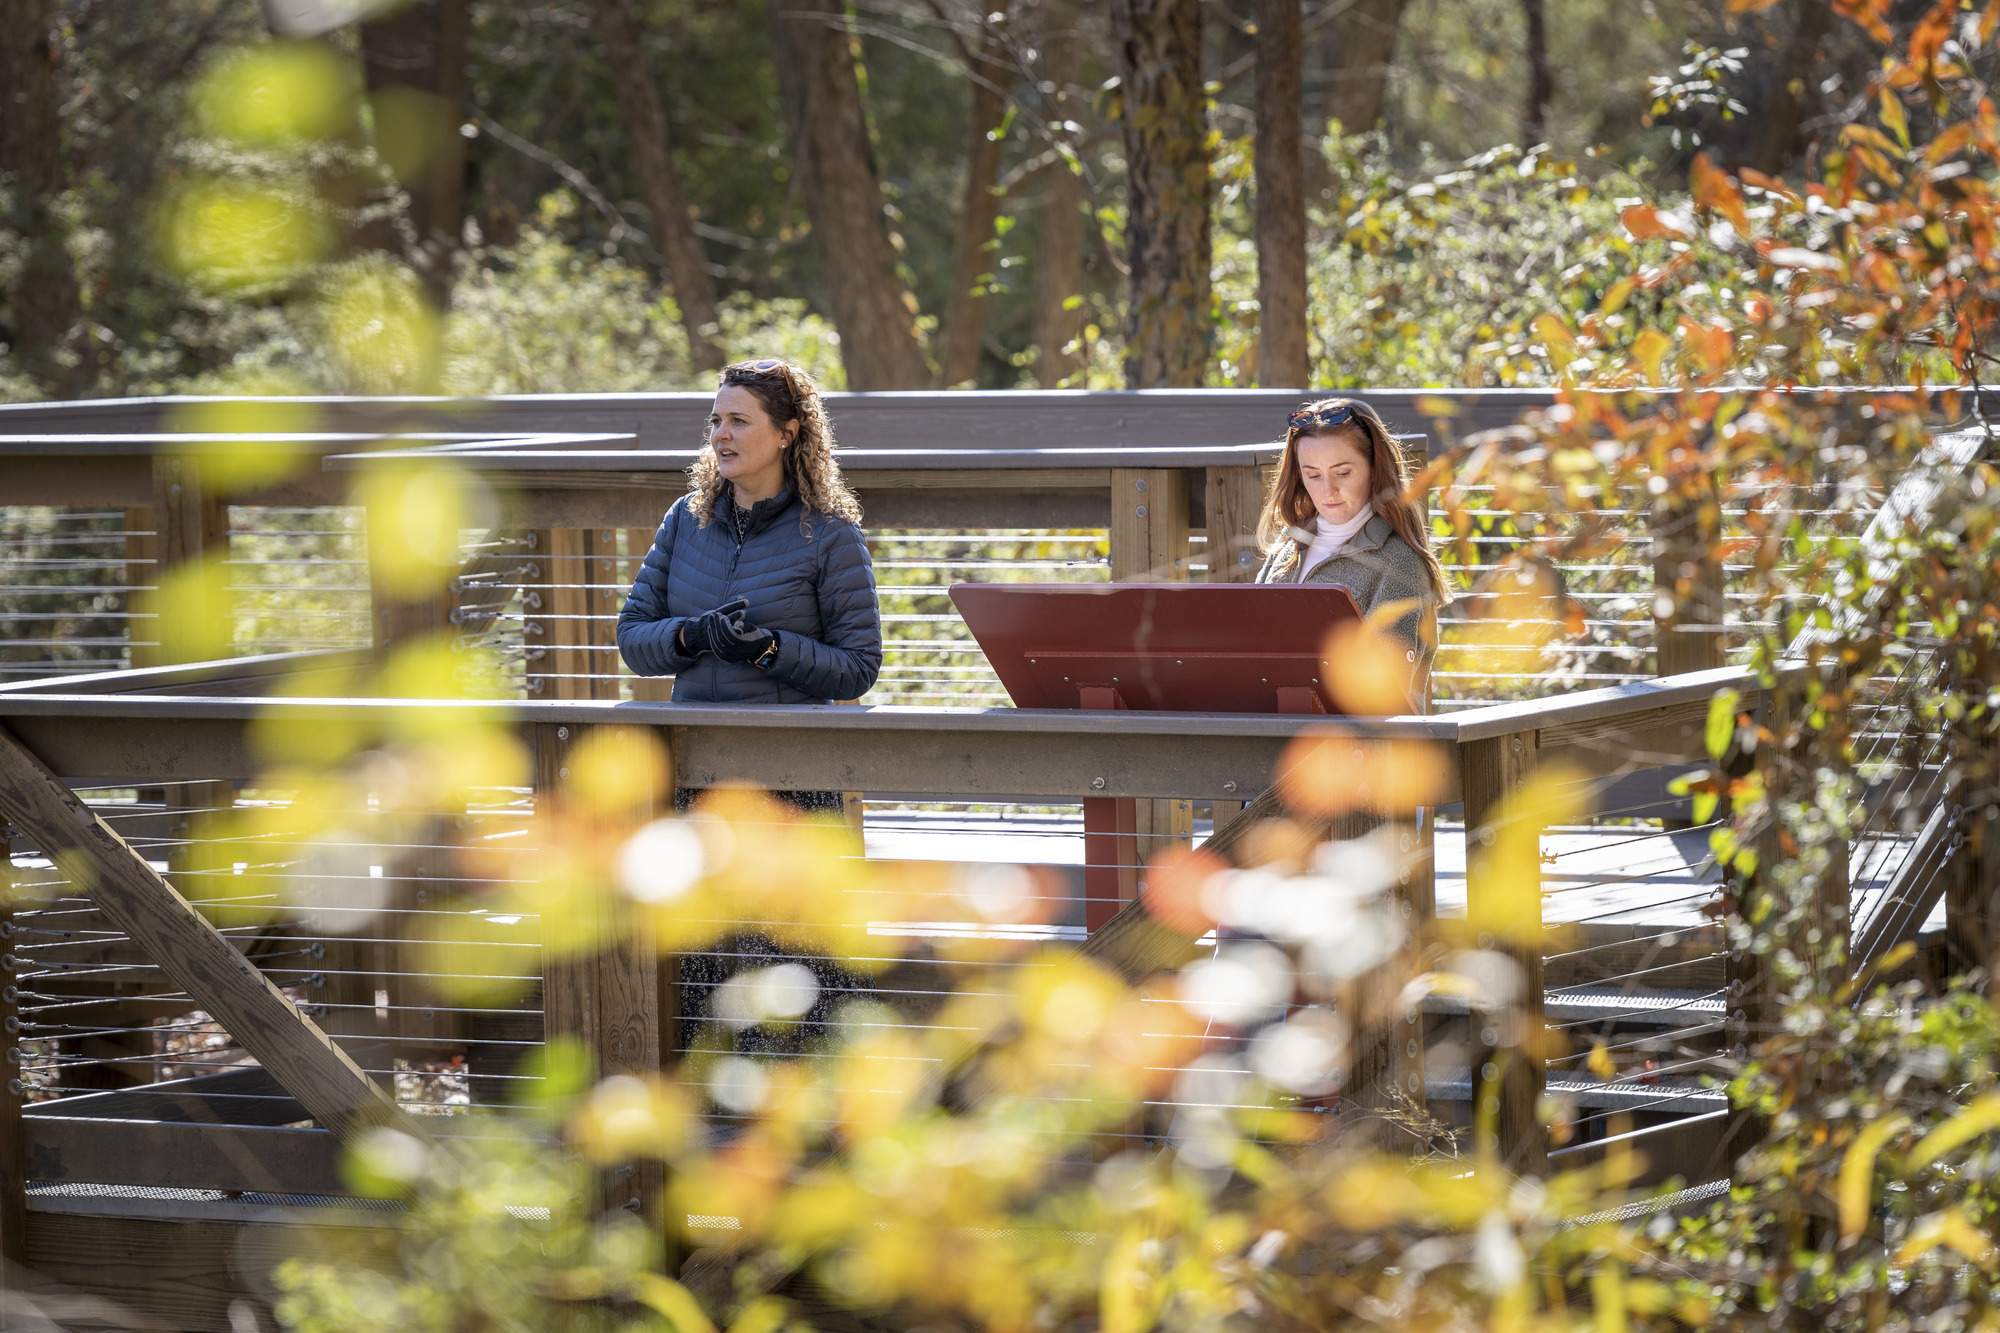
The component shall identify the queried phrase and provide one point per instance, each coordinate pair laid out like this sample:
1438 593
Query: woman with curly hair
758 588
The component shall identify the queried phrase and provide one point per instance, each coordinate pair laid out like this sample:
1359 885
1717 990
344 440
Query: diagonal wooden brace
194 953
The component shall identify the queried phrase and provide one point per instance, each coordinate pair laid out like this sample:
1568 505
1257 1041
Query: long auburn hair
1289 506
787 394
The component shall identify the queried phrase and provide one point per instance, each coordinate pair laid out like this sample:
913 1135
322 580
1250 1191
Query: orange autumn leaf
1174 881
1329 771
1645 223
1716 191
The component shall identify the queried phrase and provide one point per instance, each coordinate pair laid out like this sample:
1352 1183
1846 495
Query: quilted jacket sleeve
846 662
646 633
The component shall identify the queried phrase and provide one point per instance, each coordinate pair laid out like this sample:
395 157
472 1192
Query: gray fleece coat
816 590
1377 566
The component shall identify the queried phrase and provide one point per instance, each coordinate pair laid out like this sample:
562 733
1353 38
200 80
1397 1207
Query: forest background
614 194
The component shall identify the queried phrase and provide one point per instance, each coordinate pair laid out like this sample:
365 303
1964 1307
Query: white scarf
1329 537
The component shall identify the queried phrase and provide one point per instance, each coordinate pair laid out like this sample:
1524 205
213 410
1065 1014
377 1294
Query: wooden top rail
145 735
528 460
1069 417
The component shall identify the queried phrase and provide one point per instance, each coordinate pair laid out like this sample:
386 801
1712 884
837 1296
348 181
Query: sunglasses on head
1307 418
768 366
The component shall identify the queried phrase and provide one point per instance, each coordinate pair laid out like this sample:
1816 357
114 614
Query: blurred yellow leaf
1855 1189
248 442
1978 1118
1129 1293
415 514
675 1302
1721 723
1893 117
1649 349
626 1117
1607 1297
1601 1063
1951 1228
1617 295
278 95
619 771
1556 339
237 233
877 1081
1067 996
380 329
1506 863
193 611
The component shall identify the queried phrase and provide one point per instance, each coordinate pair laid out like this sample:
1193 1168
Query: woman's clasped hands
727 634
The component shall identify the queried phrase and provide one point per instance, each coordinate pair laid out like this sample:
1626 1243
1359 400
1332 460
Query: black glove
740 641
703 633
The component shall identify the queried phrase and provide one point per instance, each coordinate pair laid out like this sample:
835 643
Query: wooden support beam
187 948
1235 500
188 521
579 617
142 564
612 993
1508 1048
1149 544
1149 525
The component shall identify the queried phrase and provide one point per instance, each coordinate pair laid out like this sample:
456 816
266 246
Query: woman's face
749 448
1336 474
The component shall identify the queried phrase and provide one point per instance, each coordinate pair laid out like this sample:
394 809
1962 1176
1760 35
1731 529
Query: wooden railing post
582 564
185 522
1507 1048
1149 544
609 994
1235 499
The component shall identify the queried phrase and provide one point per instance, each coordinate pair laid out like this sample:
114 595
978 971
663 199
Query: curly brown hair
1289 506
787 394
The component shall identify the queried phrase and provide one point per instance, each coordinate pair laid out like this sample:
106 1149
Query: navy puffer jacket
817 592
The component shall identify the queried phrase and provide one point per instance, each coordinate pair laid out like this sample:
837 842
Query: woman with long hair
1338 515
758 588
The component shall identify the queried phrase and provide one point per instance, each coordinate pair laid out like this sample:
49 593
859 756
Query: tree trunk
1778 141
875 313
660 180
972 264
1282 360
1168 324
47 305
1059 229
1541 80
1355 58
415 63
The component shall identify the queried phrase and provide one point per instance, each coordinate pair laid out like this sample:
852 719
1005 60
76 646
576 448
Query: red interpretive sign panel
1172 647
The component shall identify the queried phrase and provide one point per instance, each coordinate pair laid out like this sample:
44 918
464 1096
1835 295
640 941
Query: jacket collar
1374 532
763 513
